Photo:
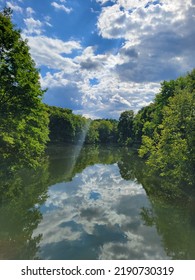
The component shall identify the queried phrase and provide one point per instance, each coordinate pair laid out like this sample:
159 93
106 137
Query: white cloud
112 22
153 33
112 94
158 44
109 97
30 11
61 7
14 7
134 19
50 52
33 26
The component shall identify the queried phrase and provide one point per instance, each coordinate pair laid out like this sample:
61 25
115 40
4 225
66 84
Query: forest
163 133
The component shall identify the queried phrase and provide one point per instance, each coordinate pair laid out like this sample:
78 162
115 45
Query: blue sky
100 57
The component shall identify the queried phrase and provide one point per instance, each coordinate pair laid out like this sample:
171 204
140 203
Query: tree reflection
171 211
172 206
22 191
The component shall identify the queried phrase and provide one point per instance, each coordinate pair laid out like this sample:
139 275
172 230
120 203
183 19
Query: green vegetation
64 126
163 132
102 131
125 128
168 134
23 118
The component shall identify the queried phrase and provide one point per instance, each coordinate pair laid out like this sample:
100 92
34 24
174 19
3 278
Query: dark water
93 203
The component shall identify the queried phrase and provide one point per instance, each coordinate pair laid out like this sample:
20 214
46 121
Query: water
100 204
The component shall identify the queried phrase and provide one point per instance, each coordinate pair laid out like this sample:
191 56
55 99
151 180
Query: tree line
163 132
64 126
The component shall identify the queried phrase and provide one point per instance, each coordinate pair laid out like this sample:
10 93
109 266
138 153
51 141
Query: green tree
92 136
65 126
61 124
81 126
143 123
102 131
168 137
105 131
174 151
125 128
23 117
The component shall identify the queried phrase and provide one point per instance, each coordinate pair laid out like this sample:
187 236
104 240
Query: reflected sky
97 216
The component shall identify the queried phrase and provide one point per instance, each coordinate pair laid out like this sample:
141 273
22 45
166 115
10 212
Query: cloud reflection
97 216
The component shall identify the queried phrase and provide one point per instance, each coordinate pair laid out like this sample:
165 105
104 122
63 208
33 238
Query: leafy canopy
23 117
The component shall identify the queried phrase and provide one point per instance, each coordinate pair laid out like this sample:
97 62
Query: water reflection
97 216
20 193
100 204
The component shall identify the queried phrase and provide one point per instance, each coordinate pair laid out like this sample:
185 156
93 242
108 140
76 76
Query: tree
23 117
125 128
102 131
61 125
168 140
105 131
92 136
143 123
174 151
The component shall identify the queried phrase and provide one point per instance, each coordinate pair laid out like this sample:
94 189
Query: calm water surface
93 203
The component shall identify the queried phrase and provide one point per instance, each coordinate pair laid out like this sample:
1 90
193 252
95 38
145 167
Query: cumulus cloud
70 86
155 42
108 97
33 26
156 34
51 52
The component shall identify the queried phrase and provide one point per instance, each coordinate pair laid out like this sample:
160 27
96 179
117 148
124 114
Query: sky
102 57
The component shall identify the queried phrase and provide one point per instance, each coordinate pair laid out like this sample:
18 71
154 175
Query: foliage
23 118
174 151
60 124
67 127
143 123
102 131
92 136
168 140
164 130
125 128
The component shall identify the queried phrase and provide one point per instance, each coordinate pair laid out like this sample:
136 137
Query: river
93 203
